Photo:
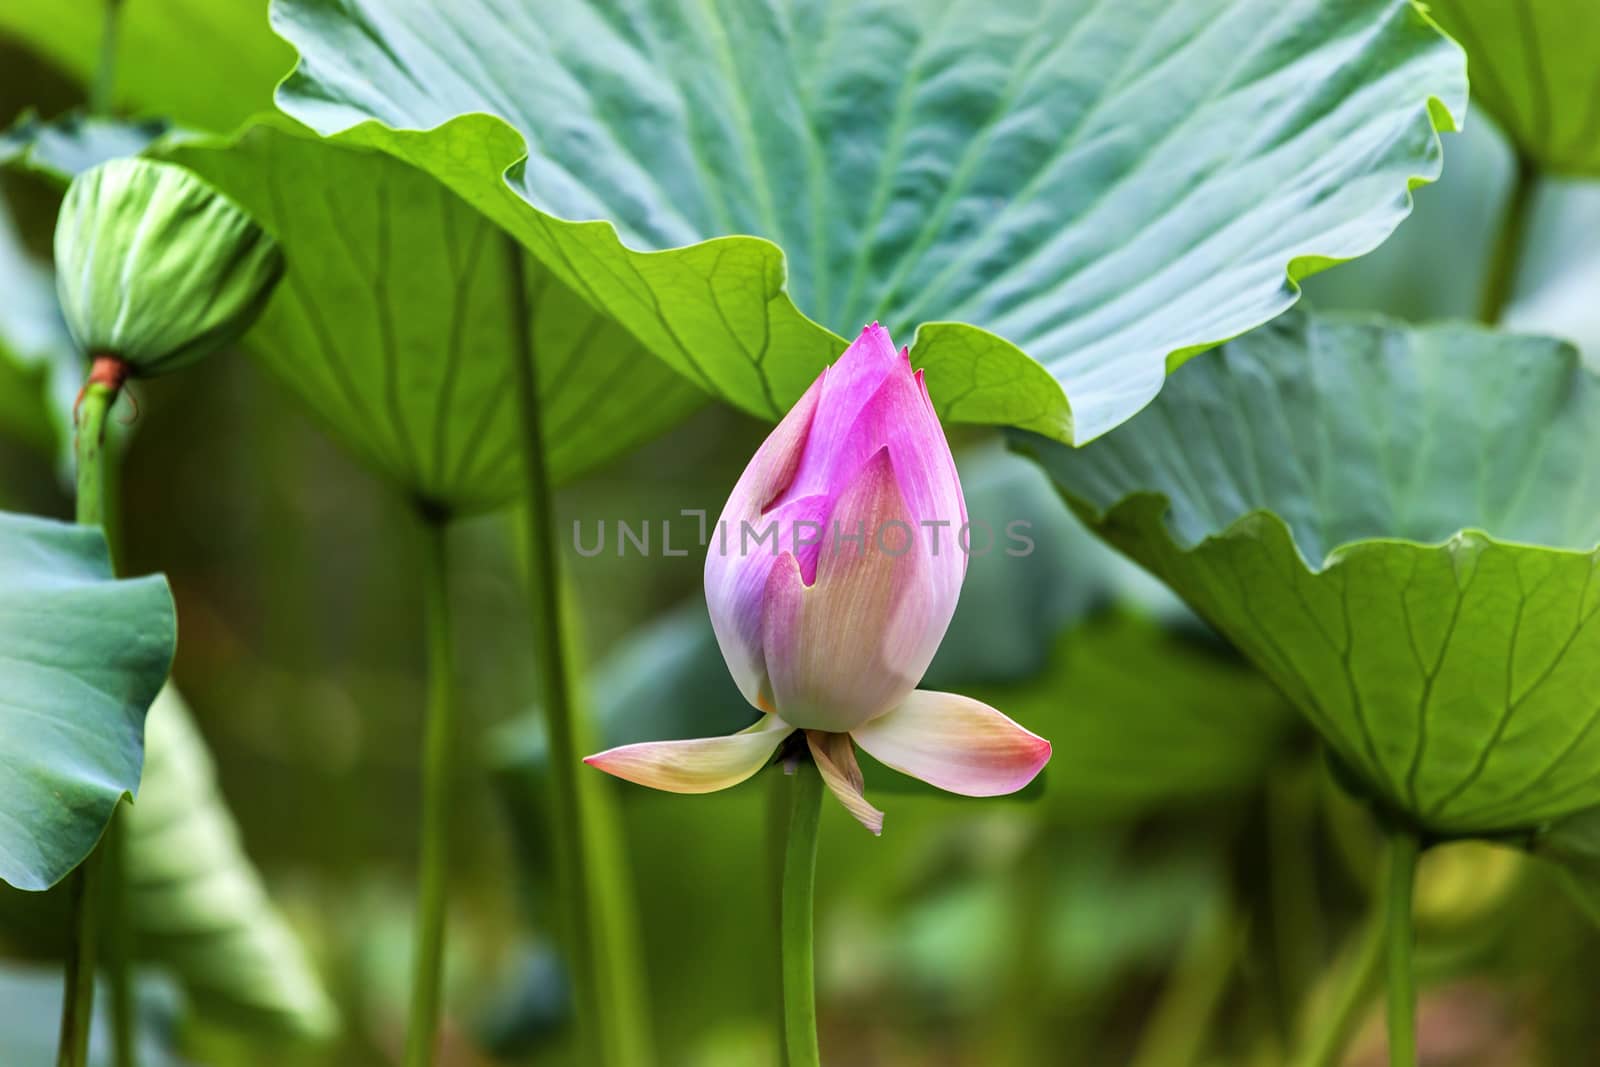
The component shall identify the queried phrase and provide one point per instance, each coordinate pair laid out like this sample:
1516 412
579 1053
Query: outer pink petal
956 743
837 651
698 765
736 580
848 386
836 759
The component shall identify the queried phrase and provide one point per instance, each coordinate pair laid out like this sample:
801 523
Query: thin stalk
77 1009
1359 980
799 888
438 766
89 894
1404 848
569 814
118 939
105 73
1499 283
1175 1035
1292 888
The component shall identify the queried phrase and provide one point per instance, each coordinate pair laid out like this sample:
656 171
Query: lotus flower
831 579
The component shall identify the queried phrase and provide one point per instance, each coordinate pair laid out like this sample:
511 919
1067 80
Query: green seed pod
157 269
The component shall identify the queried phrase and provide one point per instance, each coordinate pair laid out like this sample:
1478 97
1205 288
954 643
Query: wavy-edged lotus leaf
1533 68
82 655
395 323
196 903
1109 188
157 268
1398 526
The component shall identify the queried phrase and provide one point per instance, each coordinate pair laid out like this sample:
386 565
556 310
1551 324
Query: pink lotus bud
831 579
836 570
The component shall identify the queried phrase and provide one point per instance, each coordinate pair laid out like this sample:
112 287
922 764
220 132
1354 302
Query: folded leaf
82 656
1399 527
198 905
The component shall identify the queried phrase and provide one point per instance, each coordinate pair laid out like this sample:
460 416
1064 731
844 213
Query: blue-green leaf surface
82 656
1107 187
1399 526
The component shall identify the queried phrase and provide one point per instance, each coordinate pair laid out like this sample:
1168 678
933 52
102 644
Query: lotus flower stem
438 772
98 890
799 885
1404 848
1356 985
1500 281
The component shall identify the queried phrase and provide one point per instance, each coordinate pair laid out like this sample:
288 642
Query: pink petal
956 743
698 765
836 759
736 580
848 648
848 386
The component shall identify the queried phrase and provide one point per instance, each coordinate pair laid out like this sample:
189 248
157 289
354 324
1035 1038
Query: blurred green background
1173 869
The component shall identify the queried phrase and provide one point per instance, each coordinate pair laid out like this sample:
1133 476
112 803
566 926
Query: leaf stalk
1404 848
438 776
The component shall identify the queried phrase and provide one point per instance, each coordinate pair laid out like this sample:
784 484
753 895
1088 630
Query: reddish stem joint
110 371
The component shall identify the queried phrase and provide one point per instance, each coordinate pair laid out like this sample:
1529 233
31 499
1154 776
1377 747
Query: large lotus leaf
1533 68
82 655
1398 526
202 62
1108 187
395 324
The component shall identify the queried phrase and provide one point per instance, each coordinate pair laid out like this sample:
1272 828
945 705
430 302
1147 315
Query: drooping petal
698 765
836 759
956 743
735 579
837 651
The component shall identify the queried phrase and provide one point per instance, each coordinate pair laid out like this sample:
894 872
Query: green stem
1326 1046
90 892
77 1010
118 939
1292 888
438 761
799 886
569 814
1404 848
1502 277
93 408
105 73
1176 1032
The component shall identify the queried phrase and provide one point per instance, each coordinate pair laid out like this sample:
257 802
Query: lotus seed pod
157 269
